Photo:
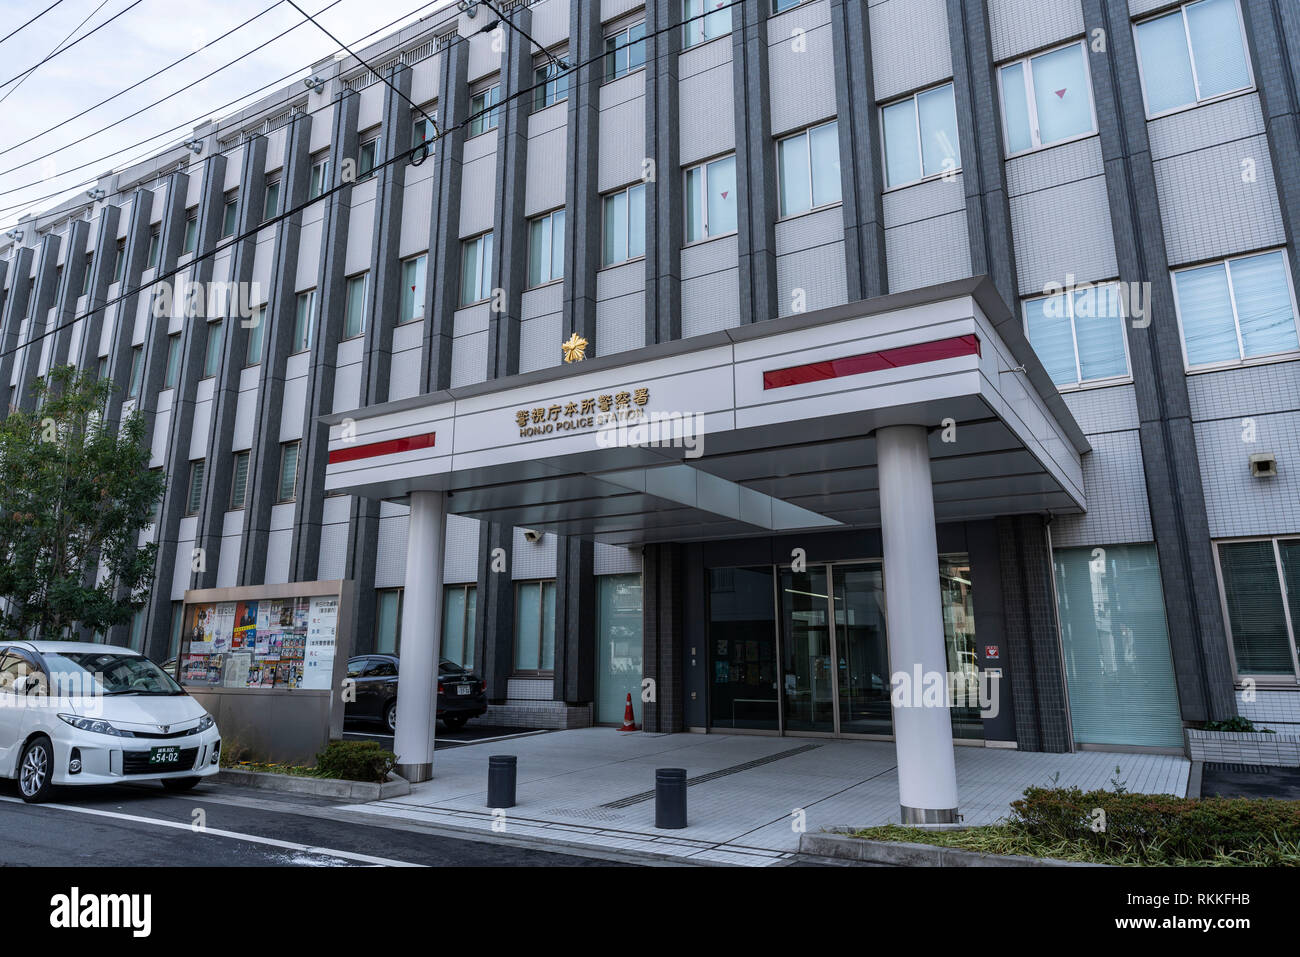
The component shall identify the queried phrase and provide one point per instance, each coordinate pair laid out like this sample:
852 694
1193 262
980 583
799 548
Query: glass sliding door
742 649
808 680
861 649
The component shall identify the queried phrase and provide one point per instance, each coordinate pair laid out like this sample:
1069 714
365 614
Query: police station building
737 355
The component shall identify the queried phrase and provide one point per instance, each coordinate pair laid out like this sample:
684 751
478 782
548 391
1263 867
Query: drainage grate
1238 768
714 775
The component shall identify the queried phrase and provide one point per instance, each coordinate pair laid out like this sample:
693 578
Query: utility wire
31 21
65 49
152 151
400 157
372 70
109 99
555 61
148 106
11 89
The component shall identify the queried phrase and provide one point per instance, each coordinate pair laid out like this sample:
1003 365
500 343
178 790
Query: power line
65 49
400 157
31 21
73 33
36 136
551 58
264 111
374 72
148 106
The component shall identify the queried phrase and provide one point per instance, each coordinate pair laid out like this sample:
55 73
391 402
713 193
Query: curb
395 786
906 854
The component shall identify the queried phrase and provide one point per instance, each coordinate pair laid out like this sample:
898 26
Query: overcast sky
139 42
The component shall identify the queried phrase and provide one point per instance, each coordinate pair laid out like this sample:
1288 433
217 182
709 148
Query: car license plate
464 689
167 755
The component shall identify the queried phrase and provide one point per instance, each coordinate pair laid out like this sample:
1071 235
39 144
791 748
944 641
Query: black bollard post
501 780
670 797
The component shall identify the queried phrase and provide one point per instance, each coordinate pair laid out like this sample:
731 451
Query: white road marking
218 832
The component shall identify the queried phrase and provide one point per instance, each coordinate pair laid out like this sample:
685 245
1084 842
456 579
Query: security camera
1263 465
532 536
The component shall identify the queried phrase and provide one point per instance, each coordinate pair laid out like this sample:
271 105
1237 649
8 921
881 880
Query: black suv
461 693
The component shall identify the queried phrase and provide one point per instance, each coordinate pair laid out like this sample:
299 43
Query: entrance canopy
753 430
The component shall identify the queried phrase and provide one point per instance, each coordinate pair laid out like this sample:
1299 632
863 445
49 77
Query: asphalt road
143 825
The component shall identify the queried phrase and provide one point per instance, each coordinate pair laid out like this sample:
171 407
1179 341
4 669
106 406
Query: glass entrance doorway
835 664
807 652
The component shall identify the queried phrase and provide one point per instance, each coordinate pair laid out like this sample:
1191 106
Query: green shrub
1236 723
1161 828
355 761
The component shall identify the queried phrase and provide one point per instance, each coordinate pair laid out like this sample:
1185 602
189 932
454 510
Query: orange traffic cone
629 720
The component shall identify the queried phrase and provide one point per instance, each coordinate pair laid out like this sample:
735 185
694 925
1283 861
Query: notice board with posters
268 662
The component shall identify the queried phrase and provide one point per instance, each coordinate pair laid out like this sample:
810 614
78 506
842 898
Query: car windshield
108 673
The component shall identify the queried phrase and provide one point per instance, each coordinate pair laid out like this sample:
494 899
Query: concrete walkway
594 787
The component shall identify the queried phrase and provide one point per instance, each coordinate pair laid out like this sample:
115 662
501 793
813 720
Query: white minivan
75 712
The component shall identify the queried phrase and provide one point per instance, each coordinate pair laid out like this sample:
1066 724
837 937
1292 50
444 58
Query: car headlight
205 722
95 725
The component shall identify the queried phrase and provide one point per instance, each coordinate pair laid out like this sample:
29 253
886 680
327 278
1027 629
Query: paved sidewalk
594 787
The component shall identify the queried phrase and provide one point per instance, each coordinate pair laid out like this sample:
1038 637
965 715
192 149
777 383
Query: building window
1261 600
271 199
367 157
1241 308
920 135
1079 334
191 233
173 373
230 215
625 51
137 371
535 626
195 498
119 262
704 20
459 607
624 216
212 355
288 471
780 6
476 270
239 484
304 318
421 131
354 318
388 621
1118 668
155 247
550 86
483 110
413 273
546 248
1194 54
320 174
256 330
618 644
810 169
1046 99
88 274
711 199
